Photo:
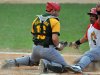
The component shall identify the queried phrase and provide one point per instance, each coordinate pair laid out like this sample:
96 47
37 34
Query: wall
44 1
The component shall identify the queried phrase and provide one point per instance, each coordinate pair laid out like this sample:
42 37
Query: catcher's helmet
92 11
52 6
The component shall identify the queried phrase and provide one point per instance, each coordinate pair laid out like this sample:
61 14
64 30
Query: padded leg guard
55 67
24 61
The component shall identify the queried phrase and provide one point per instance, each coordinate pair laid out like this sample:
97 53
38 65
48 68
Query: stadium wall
44 1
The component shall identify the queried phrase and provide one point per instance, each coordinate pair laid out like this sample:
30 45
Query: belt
49 46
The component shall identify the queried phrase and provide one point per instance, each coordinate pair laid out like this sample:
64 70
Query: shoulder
96 25
54 20
89 25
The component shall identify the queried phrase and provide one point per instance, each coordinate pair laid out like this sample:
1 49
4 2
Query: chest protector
42 31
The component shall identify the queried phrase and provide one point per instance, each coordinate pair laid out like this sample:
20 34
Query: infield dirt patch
27 70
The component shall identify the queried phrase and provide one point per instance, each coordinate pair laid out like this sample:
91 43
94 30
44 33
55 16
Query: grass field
16 19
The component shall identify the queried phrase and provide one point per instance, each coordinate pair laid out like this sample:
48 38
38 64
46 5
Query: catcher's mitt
73 45
64 43
61 45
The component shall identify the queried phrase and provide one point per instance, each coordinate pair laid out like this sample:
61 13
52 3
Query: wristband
78 42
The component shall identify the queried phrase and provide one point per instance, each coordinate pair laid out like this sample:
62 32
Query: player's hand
98 8
73 45
61 45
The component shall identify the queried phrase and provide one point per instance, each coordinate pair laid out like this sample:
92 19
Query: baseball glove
61 45
73 45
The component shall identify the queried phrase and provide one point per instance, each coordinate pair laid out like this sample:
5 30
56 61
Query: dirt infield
25 70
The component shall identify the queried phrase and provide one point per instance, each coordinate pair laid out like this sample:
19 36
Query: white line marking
49 74
30 53
13 53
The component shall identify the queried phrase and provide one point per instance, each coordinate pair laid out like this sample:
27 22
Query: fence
44 1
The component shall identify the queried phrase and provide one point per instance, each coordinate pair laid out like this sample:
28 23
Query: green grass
16 19
74 21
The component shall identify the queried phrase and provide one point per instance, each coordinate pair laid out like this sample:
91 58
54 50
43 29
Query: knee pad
55 67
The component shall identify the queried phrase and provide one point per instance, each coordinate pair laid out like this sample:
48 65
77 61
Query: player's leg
54 57
46 66
30 60
43 66
22 61
16 62
87 58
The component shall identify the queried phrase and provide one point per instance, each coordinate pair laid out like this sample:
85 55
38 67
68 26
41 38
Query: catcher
93 36
45 31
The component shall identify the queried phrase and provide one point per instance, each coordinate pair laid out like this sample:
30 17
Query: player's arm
77 43
84 39
55 39
55 25
98 12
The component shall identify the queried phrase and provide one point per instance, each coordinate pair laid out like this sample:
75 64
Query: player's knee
91 56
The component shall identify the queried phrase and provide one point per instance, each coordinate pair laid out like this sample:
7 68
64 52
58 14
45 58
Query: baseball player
45 31
93 36
93 18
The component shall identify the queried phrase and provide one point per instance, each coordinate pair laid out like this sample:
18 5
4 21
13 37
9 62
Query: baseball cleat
76 69
8 64
42 67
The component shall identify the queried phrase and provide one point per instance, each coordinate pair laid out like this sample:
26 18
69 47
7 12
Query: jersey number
39 31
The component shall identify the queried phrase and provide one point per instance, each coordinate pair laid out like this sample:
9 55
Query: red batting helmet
52 6
92 11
